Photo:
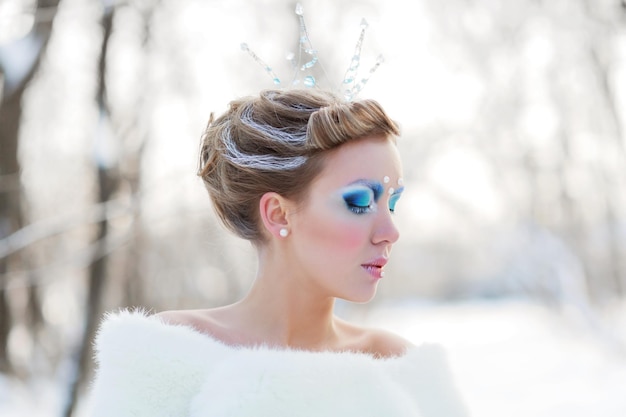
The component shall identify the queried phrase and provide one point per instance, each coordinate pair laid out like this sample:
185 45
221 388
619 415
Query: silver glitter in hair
261 162
274 132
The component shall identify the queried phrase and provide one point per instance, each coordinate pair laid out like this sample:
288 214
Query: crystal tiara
306 58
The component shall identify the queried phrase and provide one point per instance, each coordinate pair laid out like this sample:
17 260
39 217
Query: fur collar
149 368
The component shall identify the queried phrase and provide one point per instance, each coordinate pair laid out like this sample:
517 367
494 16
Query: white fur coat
147 368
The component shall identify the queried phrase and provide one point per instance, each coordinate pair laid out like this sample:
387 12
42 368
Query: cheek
350 237
340 234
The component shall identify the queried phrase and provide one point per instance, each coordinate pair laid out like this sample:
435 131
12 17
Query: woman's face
341 236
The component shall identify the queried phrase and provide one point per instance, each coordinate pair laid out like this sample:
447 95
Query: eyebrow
398 191
375 186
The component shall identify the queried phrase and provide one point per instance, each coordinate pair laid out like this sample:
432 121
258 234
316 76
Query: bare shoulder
201 320
377 342
387 344
177 316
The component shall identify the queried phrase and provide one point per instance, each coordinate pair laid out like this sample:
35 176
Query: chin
361 298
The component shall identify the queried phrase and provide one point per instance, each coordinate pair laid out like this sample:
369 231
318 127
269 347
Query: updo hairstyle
277 142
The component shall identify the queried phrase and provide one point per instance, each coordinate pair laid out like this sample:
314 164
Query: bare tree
108 180
11 204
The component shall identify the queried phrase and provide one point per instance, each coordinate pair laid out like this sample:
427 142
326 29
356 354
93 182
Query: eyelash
351 199
359 209
359 202
392 203
366 209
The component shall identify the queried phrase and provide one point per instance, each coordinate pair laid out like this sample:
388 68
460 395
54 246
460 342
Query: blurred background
513 248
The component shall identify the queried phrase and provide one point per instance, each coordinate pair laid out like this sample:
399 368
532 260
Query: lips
375 267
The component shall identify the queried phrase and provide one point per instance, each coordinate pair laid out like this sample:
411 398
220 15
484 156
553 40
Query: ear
273 209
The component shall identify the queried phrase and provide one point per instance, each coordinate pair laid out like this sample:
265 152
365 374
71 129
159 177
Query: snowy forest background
513 248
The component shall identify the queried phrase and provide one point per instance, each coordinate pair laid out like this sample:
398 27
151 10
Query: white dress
148 368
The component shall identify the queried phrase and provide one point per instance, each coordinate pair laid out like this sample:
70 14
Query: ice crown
306 58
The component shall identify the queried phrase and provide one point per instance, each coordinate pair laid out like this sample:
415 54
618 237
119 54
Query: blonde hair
277 142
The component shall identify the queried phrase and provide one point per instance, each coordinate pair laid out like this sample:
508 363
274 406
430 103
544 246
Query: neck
283 309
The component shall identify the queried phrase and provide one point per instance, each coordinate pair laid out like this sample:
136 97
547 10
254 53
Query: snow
516 358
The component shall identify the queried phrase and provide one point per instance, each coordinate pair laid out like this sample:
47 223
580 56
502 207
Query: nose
385 230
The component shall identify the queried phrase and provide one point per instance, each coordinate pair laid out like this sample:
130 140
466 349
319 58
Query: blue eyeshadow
393 199
376 187
358 197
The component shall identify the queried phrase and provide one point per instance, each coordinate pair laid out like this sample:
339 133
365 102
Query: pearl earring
283 232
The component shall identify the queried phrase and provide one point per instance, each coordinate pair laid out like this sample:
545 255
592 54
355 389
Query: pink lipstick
375 267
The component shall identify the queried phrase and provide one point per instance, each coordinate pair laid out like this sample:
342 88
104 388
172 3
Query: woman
312 182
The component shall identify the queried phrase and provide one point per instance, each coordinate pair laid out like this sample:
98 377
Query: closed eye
359 209
360 200
393 200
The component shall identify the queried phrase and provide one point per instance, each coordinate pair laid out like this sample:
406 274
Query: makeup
375 267
361 196
394 197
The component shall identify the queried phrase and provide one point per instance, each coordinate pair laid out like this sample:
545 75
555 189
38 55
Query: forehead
370 158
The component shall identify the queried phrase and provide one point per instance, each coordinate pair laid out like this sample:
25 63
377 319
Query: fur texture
147 368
